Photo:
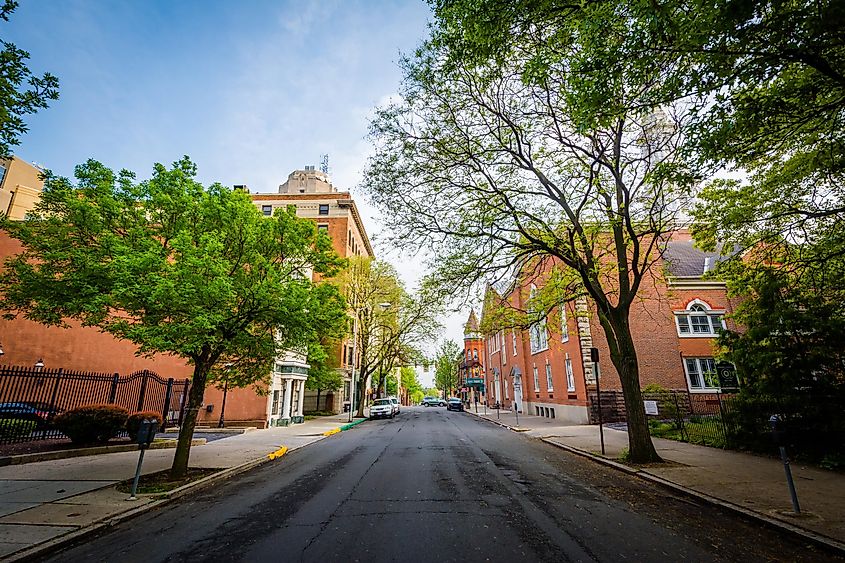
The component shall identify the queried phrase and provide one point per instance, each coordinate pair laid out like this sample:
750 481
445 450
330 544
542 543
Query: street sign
728 380
475 381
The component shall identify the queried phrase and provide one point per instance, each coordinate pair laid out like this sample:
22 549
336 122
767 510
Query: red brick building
546 369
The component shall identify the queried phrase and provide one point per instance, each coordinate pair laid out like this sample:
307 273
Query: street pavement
43 501
753 482
433 485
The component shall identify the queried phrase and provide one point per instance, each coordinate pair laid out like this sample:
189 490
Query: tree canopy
446 360
21 91
174 267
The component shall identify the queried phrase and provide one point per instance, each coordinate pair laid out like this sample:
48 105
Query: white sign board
650 407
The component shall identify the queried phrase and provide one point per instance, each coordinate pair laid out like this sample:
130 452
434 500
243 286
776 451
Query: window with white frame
536 379
550 385
507 393
564 325
513 337
698 319
570 377
701 374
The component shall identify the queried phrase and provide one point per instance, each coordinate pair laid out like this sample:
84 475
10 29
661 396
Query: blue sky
249 90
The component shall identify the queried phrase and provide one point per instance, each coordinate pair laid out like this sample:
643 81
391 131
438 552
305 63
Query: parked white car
382 408
396 404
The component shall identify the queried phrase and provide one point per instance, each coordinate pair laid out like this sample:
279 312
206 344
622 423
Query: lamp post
222 423
39 365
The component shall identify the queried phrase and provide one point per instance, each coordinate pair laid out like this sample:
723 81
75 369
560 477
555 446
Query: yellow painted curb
278 453
332 431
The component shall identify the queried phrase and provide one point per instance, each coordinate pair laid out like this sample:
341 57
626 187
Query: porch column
287 399
300 403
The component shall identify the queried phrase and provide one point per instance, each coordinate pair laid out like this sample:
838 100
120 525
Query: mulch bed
40 446
161 482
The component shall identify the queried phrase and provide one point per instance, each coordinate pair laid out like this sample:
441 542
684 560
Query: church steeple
471 327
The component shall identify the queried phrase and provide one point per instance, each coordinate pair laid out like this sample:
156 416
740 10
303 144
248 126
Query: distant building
472 386
20 187
546 369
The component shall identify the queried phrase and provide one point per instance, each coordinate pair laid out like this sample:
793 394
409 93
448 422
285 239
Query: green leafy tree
446 361
174 267
323 376
521 145
411 385
21 92
391 323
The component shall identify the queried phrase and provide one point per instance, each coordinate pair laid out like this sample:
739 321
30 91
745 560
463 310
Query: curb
158 500
353 423
22 459
820 540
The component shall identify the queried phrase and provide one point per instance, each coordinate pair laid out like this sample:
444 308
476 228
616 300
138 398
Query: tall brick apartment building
546 370
335 213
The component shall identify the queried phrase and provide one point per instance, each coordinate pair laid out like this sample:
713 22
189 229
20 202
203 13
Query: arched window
698 319
537 334
475 354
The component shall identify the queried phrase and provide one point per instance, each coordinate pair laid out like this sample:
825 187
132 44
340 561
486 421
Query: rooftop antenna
324 163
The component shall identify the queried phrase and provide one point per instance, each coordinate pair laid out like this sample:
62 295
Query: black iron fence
707 419
31 397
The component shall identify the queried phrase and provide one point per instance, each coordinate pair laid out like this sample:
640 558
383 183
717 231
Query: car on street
382 408
454 404
433 402
395 402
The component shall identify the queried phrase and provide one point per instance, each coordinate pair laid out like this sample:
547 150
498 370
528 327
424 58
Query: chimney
708 264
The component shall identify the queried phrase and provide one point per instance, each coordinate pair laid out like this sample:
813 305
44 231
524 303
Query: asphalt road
432 485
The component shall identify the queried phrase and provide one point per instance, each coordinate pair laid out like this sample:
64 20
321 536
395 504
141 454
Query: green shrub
89 424
16 427
654 388
133 423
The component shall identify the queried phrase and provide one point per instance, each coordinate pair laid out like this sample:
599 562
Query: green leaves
21 92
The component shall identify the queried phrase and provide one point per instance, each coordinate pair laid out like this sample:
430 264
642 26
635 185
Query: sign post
594 357
728 380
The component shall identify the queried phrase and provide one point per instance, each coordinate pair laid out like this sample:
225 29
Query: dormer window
699 320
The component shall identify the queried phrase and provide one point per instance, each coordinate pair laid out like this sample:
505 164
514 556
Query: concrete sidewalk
750 482
47 502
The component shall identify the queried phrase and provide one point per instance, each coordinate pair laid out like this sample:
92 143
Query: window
475 355
275 408
549 383
701 374
507 393
513 337
536 380
570 377
699 320
324 209
564 326
323 228
267 210
537 332
2 173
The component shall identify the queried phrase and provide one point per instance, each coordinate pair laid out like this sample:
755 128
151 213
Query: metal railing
31 397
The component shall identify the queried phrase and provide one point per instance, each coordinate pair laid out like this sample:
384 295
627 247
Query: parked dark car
454 404
41 413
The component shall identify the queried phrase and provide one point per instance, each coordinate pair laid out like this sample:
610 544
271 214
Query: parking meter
147 432
777 430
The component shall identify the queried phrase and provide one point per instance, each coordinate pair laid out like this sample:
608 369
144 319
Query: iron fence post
679 417
722 418
143 390
113 392
168 395
184 401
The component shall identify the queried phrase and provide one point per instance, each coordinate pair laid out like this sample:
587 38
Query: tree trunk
623 355
361 394
186 431
318 398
